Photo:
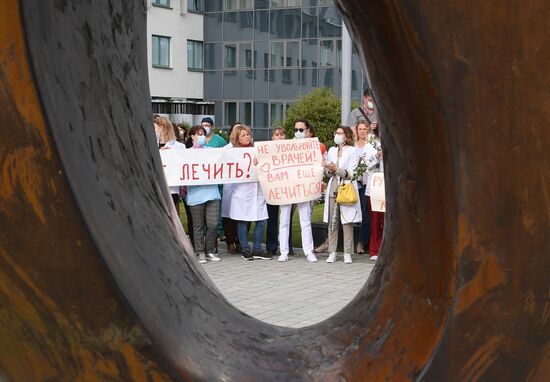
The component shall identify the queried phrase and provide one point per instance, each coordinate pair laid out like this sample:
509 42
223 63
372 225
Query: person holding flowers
340 165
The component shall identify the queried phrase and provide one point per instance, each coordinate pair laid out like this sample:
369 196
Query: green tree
321 108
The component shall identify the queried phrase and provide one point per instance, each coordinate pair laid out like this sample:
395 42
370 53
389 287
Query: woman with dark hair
204 203
342 159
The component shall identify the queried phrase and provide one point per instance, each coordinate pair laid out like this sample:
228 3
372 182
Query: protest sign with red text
290 171
192 167
378 192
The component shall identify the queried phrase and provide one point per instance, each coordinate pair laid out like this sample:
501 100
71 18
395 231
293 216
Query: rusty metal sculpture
97 281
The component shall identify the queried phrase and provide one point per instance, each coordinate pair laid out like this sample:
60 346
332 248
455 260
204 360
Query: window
194 55
237 4
238 55
161 51
230 113
195 5
285 54
285 3
330 52
162 3
237 111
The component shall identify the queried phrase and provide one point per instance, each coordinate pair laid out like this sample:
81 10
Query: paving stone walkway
295 293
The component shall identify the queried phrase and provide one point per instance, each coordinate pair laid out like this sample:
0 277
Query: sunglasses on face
300 130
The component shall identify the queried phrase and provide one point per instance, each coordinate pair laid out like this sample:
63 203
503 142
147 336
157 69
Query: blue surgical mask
201 140
207 129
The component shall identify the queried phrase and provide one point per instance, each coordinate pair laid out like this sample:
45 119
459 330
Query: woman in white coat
342 159
166 139
248 203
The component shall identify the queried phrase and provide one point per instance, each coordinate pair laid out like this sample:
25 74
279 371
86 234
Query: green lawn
296 234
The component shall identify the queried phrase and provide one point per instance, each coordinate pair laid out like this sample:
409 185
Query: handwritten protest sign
378 192
192 167
290 171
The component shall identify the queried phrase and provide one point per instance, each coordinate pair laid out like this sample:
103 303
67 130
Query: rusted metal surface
97 281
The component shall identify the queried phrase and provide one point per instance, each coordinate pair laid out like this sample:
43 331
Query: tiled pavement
295 293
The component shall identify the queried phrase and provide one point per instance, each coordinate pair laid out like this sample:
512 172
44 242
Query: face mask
299 135
201 140
207 129
338 139
370 105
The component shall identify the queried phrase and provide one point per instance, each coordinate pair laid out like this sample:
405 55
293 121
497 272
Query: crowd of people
227 212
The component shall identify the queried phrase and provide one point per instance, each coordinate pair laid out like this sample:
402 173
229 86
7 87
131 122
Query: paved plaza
294 293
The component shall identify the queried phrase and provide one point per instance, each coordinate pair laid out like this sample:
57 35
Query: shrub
321 108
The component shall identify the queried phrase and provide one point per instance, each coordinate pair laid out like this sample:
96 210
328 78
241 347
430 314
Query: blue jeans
364 231
242 233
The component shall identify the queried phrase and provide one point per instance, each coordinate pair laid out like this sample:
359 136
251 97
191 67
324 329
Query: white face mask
338 139
207 129
299 135
370 105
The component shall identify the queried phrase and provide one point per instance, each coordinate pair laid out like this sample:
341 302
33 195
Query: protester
272 234
204 203
342 159
365 151
248 203
166 139
212 139
215 141
304 211
229 225
375 163
364 113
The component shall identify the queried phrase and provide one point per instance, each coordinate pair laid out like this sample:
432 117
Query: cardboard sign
191 167
290 171
378 192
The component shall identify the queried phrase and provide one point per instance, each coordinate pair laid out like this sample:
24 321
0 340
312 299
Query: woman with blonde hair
342 159
247 202
166 140
366 151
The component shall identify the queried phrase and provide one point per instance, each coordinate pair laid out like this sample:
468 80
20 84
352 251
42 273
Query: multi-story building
258 56
175 55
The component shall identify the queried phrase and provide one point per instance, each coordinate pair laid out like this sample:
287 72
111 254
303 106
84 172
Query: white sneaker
311 258
331 257
212 257
283 258
374 258
347 258
202 258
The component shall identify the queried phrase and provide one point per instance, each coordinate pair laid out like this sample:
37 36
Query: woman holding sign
301 126
342 159
204 203
247 203
375 163
166 139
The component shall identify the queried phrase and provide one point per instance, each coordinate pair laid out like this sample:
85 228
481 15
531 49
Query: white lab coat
348 161
247 202
174 145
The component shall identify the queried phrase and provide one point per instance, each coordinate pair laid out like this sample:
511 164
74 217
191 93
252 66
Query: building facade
175 56
260 56
245 60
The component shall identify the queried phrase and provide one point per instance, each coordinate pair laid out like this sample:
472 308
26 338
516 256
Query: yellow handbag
346 194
